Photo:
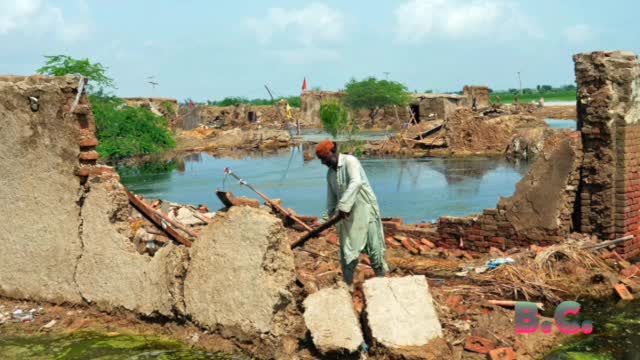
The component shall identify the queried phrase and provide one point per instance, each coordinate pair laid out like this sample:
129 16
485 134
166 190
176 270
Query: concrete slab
400 311
330 317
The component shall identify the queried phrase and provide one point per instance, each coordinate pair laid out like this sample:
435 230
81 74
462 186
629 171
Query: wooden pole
160 220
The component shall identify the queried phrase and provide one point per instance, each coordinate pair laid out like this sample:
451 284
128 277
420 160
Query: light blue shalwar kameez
349 191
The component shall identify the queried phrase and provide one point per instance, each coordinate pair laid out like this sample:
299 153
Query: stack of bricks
609 120
87 139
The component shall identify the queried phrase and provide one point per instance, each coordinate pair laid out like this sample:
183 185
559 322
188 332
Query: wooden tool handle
313 233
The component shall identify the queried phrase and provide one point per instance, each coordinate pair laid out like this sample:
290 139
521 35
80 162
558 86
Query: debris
405 242
623 292
510 303
50 324
391 242
494 263
479 344
502 354
332 321
20 316
427 243
400 311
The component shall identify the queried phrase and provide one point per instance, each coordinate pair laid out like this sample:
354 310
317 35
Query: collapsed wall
68 236
479 93
609 121
539 212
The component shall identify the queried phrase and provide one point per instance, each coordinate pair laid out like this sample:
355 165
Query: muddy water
561 124
415 189
87 345
616 334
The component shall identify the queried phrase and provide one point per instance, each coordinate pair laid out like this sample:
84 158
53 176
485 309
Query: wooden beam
161 220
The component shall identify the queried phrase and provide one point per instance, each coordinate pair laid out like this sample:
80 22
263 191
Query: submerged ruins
77 236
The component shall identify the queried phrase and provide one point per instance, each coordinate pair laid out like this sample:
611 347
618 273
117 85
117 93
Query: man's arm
355 184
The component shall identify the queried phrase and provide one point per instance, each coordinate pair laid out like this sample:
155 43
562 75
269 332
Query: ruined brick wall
608 118
539 212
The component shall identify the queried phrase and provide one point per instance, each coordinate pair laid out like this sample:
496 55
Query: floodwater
417 190
89 345
561 124
317 135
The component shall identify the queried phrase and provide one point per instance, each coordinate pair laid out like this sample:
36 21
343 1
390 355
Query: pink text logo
528 320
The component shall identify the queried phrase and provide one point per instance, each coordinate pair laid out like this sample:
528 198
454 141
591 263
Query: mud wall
609 121
480 93
67 236
39 153
244 115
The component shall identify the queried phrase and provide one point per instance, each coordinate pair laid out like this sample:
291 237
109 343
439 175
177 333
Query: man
350 196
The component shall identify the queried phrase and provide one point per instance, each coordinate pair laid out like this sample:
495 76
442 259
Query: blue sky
212 49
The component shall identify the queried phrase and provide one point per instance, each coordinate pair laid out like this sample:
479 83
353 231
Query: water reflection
414 189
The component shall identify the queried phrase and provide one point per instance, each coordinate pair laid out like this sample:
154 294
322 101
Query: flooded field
89 345
561 124
415 189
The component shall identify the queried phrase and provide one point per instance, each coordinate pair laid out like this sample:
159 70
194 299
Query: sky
213 49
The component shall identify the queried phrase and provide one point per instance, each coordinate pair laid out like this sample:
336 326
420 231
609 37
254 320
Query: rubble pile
464 132
211 140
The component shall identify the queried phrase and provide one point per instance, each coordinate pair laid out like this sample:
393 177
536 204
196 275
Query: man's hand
343 215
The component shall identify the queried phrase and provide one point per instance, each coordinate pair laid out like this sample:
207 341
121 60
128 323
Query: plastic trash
494 263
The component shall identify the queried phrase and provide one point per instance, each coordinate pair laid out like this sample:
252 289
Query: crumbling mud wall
241 279
39 153
67 238
609 120
243 115
479 93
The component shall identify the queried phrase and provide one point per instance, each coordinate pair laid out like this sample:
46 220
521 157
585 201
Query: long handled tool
313 233
269 201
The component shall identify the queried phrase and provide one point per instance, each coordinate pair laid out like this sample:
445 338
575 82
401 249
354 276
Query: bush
334 117
125 131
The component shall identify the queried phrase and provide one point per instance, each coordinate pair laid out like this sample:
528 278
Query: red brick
498 240
479 344
428 243
409 247
502 354
89 155
88 142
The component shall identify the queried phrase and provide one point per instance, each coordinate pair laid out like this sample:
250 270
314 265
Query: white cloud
308 25
578 33
39 17
417 20
309 31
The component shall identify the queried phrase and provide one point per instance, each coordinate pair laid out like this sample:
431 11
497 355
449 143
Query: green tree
126 131
59 65
334 117
373 94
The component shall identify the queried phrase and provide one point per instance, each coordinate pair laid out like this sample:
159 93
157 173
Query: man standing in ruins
350 196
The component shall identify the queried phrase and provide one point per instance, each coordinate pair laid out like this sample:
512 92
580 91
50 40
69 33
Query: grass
507 98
